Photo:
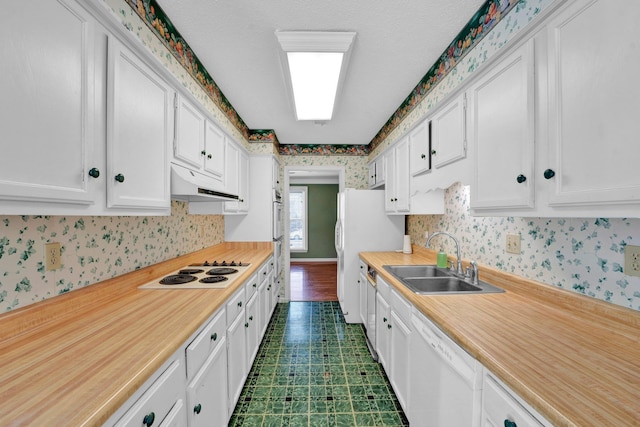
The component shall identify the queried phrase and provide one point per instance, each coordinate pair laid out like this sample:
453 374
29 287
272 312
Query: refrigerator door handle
338 238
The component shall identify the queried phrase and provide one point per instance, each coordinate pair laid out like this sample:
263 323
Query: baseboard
313 259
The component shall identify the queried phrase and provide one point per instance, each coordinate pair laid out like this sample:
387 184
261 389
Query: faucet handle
452 266
473 266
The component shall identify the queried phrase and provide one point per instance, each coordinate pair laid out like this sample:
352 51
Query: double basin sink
432 280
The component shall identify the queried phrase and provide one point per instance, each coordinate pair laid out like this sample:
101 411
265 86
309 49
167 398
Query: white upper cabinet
139 132
448 133
87 122
420 148
199 143
190 131
214 141
594 102
502 133
236 178
397 178
47 102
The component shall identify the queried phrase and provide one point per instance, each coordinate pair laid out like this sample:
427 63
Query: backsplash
94 248
585 255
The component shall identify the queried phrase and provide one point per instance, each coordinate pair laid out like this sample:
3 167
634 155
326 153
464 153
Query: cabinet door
402 177
252 324
189 143
362 293
232 163
236 359
214 141
399 358
499 408
420 148
502 123
265 302
275 174
593 105
139 132
389 178
243 182
207 394
448 133
47 102
383 331
372 174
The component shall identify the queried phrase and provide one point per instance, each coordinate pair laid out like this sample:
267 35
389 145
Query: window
298 219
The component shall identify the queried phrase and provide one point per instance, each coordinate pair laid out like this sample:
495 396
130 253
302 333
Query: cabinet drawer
206 341
158 400
499 406
251 286
235 305
383 288
401 307
262 273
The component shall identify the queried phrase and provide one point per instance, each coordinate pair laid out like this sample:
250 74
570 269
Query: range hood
192 186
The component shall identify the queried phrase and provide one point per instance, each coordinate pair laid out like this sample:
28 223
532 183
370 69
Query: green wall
322 212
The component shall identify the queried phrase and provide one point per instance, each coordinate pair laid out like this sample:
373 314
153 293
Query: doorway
309 275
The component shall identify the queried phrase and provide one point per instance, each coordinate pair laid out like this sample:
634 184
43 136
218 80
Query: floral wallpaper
524 12
93 249
355 167
583 255
483 21
323 150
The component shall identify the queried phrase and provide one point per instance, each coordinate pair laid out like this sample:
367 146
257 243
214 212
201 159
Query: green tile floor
313 369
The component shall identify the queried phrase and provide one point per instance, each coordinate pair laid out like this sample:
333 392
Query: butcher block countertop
75 359
574 359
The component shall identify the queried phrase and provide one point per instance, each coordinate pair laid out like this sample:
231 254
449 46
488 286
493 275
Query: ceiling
397 42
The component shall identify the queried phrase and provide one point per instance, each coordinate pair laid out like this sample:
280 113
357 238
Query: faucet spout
458 257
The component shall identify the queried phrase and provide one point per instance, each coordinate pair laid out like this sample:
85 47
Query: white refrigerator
362 225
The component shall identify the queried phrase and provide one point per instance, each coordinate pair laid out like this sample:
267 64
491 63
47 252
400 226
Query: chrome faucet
459 271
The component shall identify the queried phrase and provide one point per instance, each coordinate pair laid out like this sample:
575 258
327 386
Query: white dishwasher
446 383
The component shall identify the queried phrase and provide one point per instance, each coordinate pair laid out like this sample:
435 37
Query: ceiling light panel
314 63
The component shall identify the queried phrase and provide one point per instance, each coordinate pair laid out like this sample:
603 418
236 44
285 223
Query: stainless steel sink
431 280
402 271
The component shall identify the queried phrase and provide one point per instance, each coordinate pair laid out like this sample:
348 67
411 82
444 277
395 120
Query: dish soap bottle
441 260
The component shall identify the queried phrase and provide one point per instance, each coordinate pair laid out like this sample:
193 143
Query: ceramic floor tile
313 369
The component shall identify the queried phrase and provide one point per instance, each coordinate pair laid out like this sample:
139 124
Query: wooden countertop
574 359
76 358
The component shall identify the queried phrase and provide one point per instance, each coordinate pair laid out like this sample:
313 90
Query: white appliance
362 225
446 381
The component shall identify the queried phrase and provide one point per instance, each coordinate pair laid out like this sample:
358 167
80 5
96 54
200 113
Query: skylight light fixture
314 63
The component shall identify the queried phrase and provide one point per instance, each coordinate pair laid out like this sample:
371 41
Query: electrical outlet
513 244
52 256
632 260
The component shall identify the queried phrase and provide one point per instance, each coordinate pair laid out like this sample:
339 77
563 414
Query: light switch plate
513 244
632 260
52 256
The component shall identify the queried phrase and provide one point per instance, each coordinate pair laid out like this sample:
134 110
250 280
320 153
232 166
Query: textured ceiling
396 44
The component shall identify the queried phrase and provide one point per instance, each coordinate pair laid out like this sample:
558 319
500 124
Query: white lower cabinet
252 324
236 356
501 407
206 358
157 401
392 338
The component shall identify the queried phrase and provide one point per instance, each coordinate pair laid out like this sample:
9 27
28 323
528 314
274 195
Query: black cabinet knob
549 173
423 156
203 152
197 408
240 304
509 423
246 325
149 419
209 156
251 318
120 177
214 336
94 172
521 178
433 152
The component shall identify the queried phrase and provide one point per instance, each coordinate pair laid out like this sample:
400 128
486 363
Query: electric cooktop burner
213 279
177 279
221 271
190 271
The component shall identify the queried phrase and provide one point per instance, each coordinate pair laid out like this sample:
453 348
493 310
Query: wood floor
314 281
